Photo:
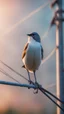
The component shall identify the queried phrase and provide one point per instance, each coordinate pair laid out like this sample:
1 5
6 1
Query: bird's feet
36 90
37 87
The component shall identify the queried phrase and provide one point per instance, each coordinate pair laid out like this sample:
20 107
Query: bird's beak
29 34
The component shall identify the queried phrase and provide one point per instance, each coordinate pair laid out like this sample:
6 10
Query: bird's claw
37 86
35 92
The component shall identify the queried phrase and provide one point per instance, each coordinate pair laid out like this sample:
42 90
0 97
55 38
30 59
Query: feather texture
24 51
41 51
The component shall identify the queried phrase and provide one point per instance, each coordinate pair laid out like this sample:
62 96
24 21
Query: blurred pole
59 58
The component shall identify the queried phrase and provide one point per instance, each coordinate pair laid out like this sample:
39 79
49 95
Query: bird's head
35 36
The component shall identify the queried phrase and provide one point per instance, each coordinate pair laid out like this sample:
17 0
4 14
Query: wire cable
22 75
1 70
48 57
27 80
52 100
53 95
13 70
51 85
31 86
17 84
46 33
5 73
27 17
45 92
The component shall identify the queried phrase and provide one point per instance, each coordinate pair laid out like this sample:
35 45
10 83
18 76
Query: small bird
32 54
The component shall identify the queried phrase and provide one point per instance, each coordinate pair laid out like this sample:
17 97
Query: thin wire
46 33
13 70
22 75
31 86
27 17
5 73
53 95
1 70
19 74
52 100
48 57
51 85
43 90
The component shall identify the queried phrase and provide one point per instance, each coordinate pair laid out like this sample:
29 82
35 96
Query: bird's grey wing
42 52
24 51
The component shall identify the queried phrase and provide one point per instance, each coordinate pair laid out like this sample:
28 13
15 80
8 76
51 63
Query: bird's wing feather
42 52
24 51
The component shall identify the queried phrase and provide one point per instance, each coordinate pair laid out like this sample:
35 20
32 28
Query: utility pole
58 20
59 57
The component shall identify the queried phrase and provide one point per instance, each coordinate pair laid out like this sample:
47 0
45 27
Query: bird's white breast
32 59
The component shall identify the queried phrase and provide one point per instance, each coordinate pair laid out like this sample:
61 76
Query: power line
22 75
27 17
46 33
51 85
18 72
52 100
18 84
13 70
5 73
1 70
44 91
34 87
53 95
48 57
27 80
30 86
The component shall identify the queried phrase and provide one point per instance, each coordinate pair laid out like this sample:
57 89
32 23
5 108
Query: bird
32 54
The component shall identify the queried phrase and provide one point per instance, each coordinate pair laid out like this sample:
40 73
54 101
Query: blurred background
18 18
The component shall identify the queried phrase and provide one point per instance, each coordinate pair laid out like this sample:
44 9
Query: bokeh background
17 18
